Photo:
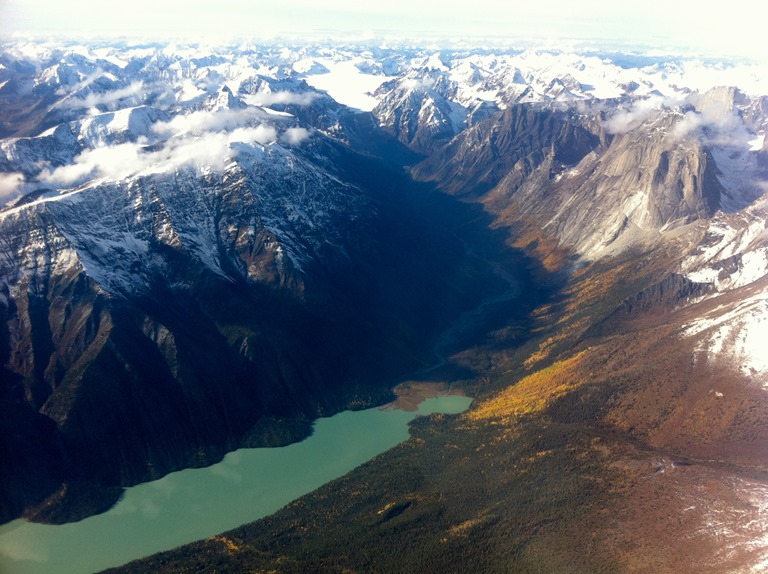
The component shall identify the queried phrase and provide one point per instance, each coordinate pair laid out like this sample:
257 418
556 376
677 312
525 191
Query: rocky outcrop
673 291
619 195
516 140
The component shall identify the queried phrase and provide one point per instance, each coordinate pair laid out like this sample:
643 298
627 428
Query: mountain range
205 249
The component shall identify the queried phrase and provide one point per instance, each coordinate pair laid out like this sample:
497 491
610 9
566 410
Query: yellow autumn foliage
532 393
227 542
587 290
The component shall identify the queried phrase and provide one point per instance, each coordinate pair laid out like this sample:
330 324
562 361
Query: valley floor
598 447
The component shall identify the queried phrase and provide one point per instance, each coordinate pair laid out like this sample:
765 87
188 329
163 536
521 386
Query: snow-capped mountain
203 248
197 231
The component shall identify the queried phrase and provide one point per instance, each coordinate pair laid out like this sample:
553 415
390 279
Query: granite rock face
513 142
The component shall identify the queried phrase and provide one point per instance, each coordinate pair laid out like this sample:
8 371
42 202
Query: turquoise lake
197 503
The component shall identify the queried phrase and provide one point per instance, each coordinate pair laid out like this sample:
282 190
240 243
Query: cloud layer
659 22
638 113
10 186
95 99
210 149
281 97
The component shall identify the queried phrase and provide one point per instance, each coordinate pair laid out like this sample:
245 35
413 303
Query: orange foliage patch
533 393
227 542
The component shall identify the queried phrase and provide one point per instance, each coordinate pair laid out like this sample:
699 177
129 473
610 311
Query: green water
197 503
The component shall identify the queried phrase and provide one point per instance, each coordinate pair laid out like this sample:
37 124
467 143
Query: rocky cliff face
642 182
515 141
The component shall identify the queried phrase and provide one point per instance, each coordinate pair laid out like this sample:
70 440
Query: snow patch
737 335
346 84
732 253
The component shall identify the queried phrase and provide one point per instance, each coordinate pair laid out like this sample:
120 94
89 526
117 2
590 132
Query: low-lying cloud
713 128
294 136
638 113
211 149
95 99
10 186
421 84
281 97
117 161
207 121
711 124
202 138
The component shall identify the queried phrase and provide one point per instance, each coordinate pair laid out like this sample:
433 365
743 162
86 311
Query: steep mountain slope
182 280
643 182
516 140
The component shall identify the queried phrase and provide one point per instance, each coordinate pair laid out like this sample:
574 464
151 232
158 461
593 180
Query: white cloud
189 91
659 23
210 149
117 161
262 134
106 98
295 136
10 186
205 121
688 124
712 123
281 97
640 111
418 83
713 127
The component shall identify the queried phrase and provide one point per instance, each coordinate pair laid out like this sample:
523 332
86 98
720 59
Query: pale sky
736 29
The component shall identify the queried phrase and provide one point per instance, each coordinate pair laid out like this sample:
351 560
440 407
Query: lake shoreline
193 504
410 394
